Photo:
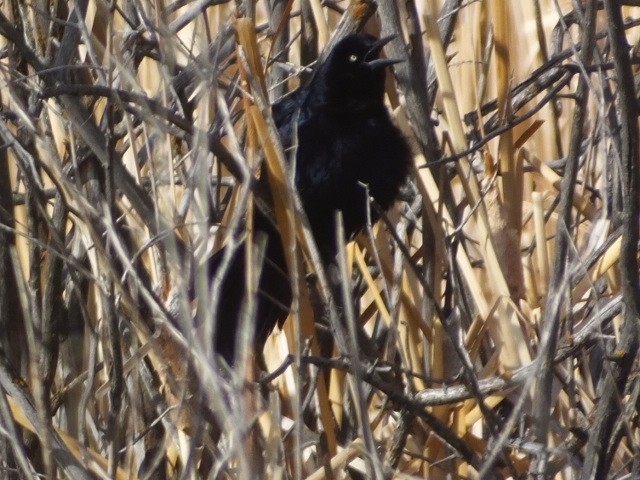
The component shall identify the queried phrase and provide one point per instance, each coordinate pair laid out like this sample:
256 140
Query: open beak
383 63
374 51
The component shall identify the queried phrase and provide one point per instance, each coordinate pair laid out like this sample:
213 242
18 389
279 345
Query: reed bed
497 303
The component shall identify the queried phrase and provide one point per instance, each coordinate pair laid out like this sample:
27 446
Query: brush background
521 251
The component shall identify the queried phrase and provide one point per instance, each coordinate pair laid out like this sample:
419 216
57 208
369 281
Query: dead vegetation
499 299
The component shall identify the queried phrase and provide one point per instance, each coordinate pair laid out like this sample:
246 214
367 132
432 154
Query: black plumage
345 141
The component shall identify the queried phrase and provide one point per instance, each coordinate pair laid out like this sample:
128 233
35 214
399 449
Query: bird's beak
380 63
374 51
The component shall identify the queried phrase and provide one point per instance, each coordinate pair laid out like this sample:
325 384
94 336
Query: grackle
345 144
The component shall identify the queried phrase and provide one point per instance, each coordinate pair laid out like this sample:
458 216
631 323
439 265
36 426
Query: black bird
345 140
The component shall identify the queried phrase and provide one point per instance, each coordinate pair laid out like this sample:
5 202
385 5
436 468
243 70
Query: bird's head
354 73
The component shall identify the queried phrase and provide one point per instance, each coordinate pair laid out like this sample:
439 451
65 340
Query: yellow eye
353 58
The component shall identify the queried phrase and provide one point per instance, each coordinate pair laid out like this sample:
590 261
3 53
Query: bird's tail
272 299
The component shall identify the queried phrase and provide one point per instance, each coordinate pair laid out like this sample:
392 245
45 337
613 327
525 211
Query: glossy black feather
345 140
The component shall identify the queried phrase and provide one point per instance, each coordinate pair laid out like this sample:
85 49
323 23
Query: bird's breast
342 158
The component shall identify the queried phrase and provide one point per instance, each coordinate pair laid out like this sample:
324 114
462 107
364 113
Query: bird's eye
353 58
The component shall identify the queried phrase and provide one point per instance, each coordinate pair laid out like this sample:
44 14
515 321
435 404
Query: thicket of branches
494 328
